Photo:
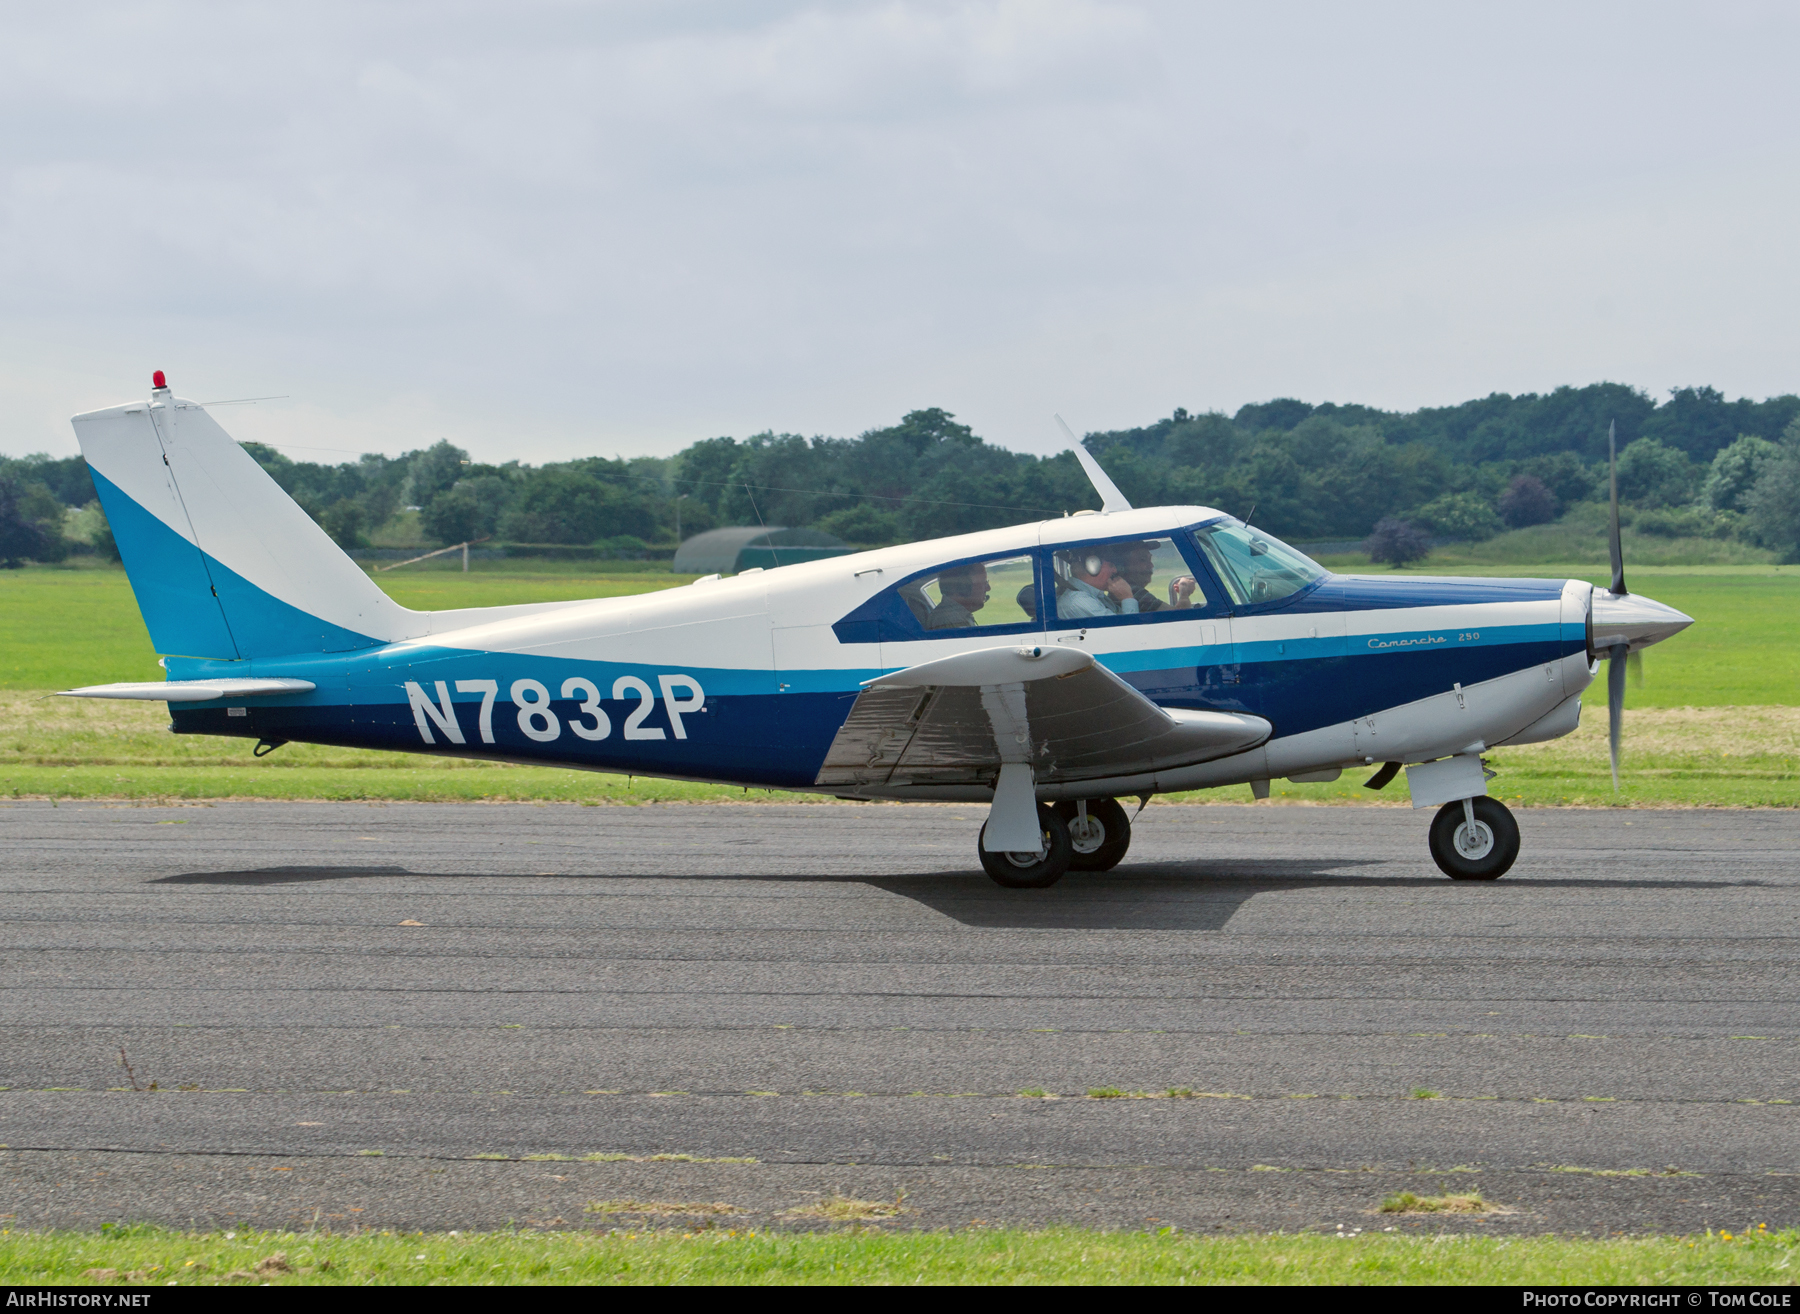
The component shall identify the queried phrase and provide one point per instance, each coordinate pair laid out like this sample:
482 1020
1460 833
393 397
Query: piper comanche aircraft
1045 669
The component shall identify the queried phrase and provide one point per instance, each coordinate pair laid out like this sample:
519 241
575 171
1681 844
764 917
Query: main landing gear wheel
1100 838
1481 853
1032 871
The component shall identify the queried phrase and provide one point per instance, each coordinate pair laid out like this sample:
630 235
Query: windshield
1253 566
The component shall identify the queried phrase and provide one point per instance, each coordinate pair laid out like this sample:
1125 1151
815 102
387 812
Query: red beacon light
159 380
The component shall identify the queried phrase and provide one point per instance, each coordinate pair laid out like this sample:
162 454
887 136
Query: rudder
223 562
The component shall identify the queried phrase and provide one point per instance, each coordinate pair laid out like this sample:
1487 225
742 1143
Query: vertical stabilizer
223 562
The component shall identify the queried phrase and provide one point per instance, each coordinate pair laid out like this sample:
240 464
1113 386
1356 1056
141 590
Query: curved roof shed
739 548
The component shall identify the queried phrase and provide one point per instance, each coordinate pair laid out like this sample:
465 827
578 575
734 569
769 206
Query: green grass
715 1254
74 625
1739 665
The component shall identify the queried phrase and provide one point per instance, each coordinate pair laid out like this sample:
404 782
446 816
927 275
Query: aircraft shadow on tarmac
280 875
1161 896
1201 897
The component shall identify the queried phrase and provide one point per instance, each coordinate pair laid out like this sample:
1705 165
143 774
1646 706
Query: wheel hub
1474 842
1087 833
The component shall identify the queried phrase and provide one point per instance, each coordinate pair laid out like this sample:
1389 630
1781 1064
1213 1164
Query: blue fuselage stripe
772 729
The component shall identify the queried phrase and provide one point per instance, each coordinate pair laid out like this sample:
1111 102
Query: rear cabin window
996 595
975 595
1123 580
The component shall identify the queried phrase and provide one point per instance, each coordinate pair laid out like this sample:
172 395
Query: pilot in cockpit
1093 585
1140 568
963 591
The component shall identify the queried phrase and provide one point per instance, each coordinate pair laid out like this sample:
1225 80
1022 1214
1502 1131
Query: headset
1088 562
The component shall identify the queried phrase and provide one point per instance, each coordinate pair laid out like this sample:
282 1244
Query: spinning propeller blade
1615 702
1615 666
1617 548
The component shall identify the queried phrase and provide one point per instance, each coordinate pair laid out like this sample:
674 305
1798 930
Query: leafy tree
1527 501
346 520
1735 470
863 524
1567 477
1773 507
453 516
65 478
434 470
1397 543
560 505
1701 422
106 547
30 524
1283 413
1463 516
703 471
1652 473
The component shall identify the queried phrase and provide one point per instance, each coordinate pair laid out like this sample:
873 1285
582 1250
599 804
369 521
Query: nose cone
1633 620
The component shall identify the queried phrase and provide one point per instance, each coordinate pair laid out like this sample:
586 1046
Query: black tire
1044 869
1502 841
1102 851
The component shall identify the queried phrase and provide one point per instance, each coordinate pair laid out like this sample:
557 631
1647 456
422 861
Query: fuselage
747 679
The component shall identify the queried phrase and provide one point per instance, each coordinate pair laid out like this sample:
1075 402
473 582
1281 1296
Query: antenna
776 555
1111 499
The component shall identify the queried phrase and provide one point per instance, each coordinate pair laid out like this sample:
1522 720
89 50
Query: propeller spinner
1622 624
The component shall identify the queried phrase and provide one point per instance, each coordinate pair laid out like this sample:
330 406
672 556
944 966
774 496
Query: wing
957 720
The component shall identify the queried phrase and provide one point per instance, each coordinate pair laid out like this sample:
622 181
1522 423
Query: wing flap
1068 717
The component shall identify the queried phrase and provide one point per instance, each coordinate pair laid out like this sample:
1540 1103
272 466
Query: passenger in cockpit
1094 585
964 591
1140 568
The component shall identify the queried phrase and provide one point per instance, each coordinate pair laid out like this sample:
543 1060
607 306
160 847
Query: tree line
1693 464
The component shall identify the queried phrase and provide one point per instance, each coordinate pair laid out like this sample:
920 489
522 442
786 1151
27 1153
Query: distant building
745 547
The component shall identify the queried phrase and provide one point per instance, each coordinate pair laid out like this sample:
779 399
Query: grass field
713 1252
1716 723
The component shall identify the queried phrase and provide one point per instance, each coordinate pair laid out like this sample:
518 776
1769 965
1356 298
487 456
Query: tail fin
224 564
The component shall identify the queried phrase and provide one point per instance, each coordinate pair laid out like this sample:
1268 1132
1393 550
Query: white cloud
550 229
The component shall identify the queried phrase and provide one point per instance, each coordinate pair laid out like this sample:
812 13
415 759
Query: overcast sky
556 229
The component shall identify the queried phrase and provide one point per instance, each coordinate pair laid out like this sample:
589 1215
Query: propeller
1622 624
1616 654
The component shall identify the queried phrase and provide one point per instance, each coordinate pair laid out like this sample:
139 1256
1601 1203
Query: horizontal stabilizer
191 691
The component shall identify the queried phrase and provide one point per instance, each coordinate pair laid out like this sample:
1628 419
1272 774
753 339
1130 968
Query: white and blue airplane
1044 669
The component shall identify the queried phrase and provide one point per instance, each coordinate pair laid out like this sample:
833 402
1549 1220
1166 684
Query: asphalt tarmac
445 1016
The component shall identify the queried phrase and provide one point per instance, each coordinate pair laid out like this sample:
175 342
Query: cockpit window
1124 578
974 595
1253 566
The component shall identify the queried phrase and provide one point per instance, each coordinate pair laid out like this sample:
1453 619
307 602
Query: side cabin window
994 594
1254 567
1126 580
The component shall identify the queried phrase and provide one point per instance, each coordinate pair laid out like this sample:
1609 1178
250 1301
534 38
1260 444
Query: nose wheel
1032 871
1099 832
1474 839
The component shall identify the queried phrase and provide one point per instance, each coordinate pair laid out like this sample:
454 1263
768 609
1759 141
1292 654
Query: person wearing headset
1140 568
1095 586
